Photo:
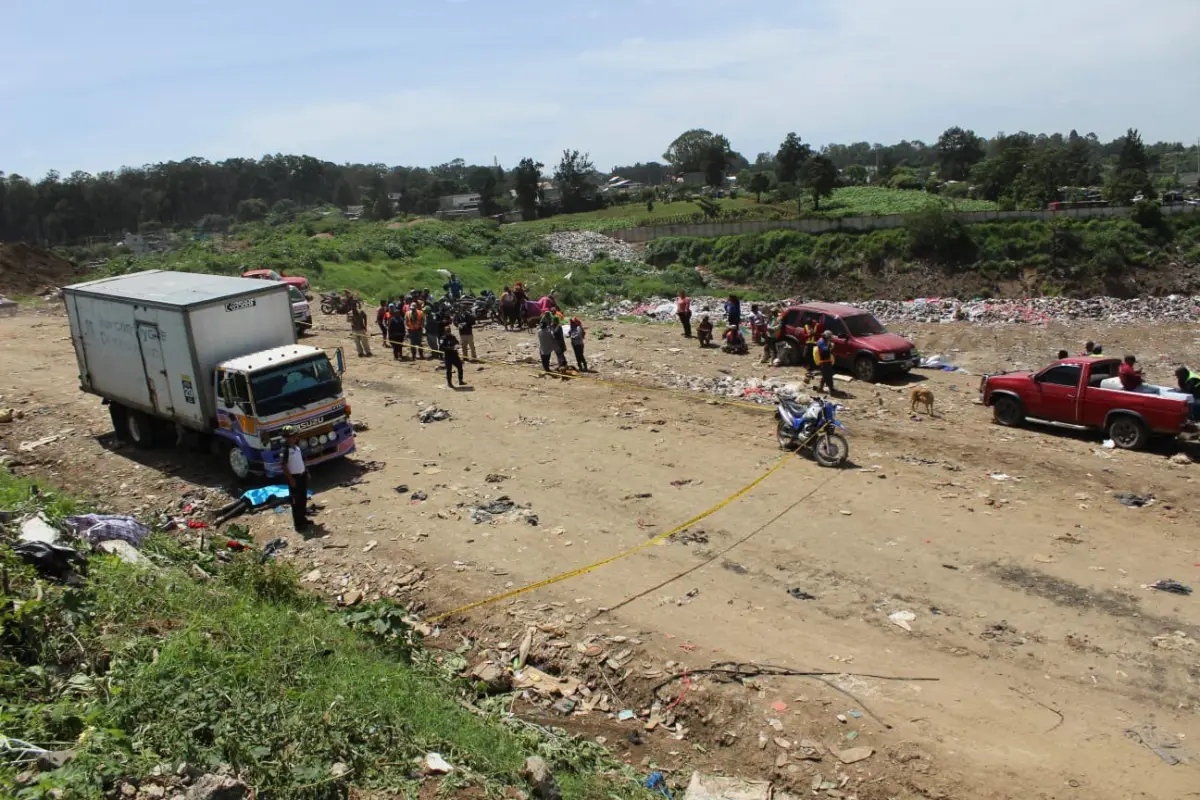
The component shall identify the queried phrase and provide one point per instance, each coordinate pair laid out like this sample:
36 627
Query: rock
54 759
339 770
715 787
540 779
152 790
6 415
217 787
352 597
312 577
1179 458
122 550
434 764
36 529
493 676
854 754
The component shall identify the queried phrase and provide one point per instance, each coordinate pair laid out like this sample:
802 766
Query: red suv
861 345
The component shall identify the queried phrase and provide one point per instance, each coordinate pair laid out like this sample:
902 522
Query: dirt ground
1059 673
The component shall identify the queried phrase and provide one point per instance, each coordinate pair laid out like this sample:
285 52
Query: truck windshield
863 325
293 385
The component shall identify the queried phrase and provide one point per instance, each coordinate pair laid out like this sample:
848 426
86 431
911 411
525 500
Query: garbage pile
752 390
1033 310
583 246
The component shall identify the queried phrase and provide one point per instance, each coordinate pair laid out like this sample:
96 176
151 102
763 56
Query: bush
252 210
1148 214
934 233
213 223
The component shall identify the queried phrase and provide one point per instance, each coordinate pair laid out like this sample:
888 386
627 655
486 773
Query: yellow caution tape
637 548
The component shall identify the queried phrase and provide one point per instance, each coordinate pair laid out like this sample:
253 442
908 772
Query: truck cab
258 394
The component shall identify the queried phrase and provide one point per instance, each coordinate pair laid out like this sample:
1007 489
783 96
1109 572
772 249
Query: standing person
771 337
546 343
414 321
758 324
683 308
1189 381
297 478
358 328
451 358
433 331
381 320
395 335
466 334
733 311
454 287
1130 374
704 331
824 358
578 334
560 340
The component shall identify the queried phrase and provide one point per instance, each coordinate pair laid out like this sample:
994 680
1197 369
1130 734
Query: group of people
764 332
1130 372
425 326
553 342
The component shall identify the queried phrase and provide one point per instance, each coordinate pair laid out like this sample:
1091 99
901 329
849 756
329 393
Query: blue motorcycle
815 427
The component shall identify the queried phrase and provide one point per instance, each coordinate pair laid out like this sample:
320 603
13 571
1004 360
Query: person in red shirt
683 307
1130 374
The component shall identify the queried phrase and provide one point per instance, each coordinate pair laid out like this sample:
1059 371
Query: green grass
873 200
140 667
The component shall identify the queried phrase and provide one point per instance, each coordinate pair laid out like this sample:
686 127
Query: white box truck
177 351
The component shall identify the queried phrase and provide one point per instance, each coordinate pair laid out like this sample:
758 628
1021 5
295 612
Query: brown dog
922 397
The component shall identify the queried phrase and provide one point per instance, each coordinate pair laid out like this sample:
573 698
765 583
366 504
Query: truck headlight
313 442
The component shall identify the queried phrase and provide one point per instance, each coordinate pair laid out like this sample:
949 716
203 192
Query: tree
856 174
574 178
526 180
717 159
483 181
1131 176
344 196
820 177
759 183
791 157
690 150
957 152
251 209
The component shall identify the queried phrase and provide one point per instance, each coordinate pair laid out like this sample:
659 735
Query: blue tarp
256 497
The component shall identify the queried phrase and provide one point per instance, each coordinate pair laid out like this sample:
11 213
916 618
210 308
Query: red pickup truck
861 345
1069 392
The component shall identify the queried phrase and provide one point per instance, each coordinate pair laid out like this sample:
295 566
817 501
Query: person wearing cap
297 477
824 358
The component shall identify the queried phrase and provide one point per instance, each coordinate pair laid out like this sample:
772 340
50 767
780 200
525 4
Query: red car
861 345
1070 392
298 281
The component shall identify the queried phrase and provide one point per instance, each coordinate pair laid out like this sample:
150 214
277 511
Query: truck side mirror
339 358
227 391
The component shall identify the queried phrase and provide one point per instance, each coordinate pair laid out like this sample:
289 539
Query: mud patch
1062 592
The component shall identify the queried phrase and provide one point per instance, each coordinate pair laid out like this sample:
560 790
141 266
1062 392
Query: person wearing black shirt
450 356
466 335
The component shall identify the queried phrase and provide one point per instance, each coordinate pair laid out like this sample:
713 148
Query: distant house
696 179
353 212
458 206
548 193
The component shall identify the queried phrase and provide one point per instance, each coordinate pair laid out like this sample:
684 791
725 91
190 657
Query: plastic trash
96 528
901 619
53 561
37 529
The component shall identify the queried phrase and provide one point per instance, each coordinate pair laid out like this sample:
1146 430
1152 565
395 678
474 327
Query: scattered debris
1158 744
419 496
433 414
37 529
541 781
217 787
29 447
122 550
1172 586
800 594
1133 500
1174 641
583 246
715 787
434 764
901 619
495 477
854 754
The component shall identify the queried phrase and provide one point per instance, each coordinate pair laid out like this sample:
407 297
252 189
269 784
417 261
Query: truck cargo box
151 340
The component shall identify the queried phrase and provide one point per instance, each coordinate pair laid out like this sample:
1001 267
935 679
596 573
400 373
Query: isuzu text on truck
173 352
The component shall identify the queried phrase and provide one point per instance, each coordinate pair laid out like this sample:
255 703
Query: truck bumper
343 445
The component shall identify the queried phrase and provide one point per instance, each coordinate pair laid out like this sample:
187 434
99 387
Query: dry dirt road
1059 672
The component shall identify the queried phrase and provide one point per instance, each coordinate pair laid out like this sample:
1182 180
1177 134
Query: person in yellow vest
823 354
414 321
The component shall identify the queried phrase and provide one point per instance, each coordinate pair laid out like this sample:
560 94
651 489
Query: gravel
583 247
1038 310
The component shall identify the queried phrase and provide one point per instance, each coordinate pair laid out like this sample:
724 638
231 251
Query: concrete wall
821 225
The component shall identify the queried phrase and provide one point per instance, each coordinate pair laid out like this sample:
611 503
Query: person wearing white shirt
297 478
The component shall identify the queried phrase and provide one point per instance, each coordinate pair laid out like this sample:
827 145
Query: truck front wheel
239 465
1128 433
140 428
864 369
1007 411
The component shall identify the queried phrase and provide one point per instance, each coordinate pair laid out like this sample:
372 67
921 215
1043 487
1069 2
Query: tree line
1019 170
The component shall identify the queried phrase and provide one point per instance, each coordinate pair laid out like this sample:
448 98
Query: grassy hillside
846 201
145 665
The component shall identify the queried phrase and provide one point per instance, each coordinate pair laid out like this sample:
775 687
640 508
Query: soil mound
26 269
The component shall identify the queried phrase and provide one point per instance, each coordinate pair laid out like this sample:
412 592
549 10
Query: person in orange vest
414 321
823 354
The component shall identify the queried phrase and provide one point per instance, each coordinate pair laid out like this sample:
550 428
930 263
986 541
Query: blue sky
95 85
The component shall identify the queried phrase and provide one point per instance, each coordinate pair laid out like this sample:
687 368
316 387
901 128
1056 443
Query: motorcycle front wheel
328 307
831 449
783 432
